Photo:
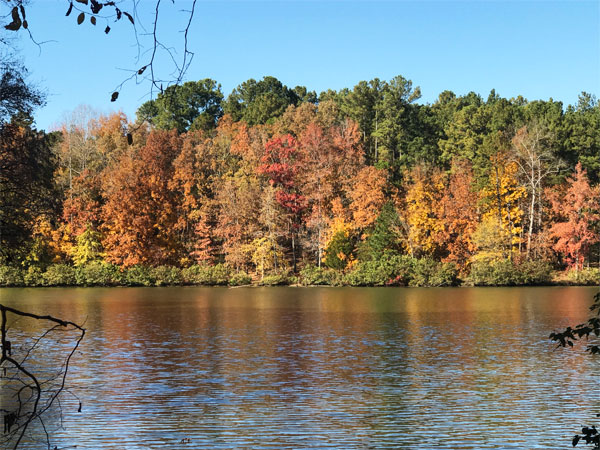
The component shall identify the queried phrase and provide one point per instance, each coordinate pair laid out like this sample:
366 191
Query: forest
277 185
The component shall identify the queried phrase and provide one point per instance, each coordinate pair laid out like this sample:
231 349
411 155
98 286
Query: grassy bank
393 270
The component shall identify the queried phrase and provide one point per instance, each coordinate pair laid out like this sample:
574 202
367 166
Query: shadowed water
348 368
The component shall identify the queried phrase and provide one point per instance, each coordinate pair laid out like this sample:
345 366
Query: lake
348 368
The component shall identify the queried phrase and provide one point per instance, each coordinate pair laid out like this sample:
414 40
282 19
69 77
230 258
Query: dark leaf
107 29
13 26
70 9
118 11
22 11
16 20
93 20
114 96
25 24
575 440
141 71
129 139
79 410
85 2
96 7
80 18
129 17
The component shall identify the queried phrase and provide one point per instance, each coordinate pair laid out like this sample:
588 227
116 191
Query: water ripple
321 369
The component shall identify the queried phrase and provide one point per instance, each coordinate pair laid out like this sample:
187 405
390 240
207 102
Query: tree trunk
498 200
294 251
510 232
319 249
531 215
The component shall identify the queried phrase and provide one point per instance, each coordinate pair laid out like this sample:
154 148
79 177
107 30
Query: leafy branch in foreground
588 330
584 330
30 389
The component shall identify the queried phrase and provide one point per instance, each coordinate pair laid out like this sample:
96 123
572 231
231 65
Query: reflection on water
322 368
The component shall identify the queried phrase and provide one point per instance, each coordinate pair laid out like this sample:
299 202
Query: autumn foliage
577 212
322 184
139 214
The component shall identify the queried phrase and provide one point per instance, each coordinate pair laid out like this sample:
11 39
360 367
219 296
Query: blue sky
537 49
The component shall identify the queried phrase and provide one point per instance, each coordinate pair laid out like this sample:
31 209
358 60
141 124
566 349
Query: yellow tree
264 253
88 247
489 241
43 249
339 222
339 229
501 200
424 189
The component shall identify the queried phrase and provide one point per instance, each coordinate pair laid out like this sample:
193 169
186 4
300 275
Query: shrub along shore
394 270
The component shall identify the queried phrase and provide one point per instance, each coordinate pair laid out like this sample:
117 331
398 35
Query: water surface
350 368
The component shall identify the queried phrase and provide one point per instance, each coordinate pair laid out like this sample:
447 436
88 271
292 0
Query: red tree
280 164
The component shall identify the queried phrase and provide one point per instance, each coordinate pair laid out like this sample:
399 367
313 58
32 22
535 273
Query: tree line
362 186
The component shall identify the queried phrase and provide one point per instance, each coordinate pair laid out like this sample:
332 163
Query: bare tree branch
28 393
109 12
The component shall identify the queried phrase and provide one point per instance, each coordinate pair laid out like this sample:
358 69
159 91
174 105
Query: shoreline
295 285
99 274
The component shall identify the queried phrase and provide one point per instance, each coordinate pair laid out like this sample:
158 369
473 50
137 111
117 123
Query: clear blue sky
537 49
